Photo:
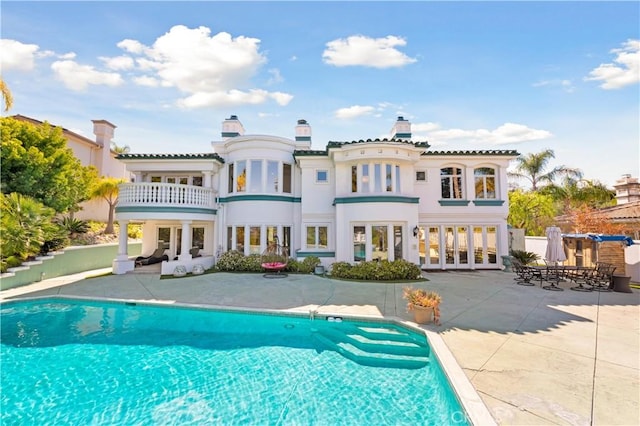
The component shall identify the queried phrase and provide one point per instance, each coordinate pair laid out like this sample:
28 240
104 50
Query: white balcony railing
165 194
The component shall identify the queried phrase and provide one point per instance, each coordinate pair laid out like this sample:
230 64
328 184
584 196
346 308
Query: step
387 346
387 333
373 359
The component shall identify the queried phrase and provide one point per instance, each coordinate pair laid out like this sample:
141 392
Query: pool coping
476 412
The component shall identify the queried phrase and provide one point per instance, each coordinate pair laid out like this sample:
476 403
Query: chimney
232 127
303 131
104 133
401 129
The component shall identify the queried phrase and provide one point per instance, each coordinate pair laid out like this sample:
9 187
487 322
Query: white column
122 264
122 240
207 180
185 242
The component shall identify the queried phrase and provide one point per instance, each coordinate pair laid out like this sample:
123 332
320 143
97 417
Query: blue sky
468 75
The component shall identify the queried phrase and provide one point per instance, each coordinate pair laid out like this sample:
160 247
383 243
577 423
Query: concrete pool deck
534 356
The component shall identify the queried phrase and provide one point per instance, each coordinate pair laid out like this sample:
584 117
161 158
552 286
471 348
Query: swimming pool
79 362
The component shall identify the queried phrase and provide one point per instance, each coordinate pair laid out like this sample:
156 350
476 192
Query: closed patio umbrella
554 254
555 251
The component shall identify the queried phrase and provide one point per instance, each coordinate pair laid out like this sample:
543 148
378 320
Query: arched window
451 182
485 182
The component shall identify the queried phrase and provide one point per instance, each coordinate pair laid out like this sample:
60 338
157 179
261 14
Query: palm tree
107 188
573 193
120 149
6 95
533 168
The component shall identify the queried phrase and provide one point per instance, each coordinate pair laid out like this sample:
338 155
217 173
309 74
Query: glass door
456 239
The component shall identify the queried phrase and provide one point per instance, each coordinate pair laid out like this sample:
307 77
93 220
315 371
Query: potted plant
424 304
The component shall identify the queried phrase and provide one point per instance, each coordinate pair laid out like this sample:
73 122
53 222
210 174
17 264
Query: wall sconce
416 230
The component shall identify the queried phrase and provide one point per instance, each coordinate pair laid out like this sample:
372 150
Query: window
359 244
286 178
241 173
451 182
256 176
156 179
322 176
317 237
387 178
229 238
254 240
240 239
379 242
286 238
377 177
230 188
421 176
272 176
354 178
397 179
485 182
365 178
196 181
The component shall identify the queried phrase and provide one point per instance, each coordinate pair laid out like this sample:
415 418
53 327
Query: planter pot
422 315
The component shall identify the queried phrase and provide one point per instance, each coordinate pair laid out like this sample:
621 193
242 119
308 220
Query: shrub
74 226
230 261
377 270
525 257
308 264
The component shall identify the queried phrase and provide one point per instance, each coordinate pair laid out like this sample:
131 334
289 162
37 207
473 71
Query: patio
533 356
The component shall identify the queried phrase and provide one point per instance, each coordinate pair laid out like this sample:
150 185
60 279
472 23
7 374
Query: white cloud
213 71
624 72
118 63
281 99
147 81
78 77
365 51
565 85
276 77
131 46
508 133
354 111
17 56
231 98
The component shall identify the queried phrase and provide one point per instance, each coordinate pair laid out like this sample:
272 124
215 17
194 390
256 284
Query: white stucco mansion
352 201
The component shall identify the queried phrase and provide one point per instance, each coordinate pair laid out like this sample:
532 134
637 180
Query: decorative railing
165 194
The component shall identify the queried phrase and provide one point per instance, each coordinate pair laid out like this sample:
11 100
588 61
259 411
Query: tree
532 167
6 95
35 161
107 189
530 211
120 149
585 219
573 193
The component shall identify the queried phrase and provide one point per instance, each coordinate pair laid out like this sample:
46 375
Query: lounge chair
156 257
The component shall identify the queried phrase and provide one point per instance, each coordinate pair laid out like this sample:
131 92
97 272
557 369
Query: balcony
149 197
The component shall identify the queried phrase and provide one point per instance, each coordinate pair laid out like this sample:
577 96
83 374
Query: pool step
381 352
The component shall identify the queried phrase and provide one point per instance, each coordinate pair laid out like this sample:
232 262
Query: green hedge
397 270
235 261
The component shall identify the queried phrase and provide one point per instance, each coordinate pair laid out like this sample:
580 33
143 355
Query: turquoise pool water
85 362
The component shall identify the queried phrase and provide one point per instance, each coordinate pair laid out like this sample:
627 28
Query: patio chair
156 257
524 273
274 260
